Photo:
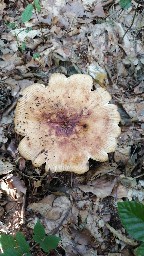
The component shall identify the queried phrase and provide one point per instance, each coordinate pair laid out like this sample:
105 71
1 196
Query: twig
60 224
121 236
131 23
12 106
23 209
40 25
107 3
109 74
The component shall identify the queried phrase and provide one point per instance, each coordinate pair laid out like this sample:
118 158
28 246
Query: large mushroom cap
66 123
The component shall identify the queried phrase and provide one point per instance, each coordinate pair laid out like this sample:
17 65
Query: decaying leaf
98 73
121 236
88 36
18 184
122 154
101 187
5 167
2 5
99 11
13 187
53 209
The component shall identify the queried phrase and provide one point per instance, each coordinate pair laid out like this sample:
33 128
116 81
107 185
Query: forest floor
104 40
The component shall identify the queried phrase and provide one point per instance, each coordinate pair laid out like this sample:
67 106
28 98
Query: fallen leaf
12 148
101 187
99 11
5 167
10 191
3 228
22 33
52 6
140 111
114 254
121 237
139 88
53 208
13 187
130 108
120 192
21 163
2 6
3 139
122 154
1 211
73 8
97 72
18 184
11 63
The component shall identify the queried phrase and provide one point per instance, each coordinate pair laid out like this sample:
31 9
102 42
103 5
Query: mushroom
66 123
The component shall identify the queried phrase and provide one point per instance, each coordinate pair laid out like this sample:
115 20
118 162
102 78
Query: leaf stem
39 23
131 23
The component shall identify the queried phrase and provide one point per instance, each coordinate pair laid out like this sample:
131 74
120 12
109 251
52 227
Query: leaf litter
94 37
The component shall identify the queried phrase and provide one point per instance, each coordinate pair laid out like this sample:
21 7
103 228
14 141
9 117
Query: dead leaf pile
101 39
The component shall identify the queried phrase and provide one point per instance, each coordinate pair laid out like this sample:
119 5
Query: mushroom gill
66 123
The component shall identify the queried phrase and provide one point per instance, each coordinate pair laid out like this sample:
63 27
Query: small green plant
18 246
26 16
125 4
36 55
27 13
132 217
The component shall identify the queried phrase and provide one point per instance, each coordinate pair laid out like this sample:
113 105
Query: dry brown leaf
53 208
101 187
120 192
13 187
11 63
140 111
52 7
12 148
21 163
18 184
130 108
3 139
10 191
114 254
99 11
2 6
122 154
97 72
74 9
139 88
3 228
5 167
121 236
1 211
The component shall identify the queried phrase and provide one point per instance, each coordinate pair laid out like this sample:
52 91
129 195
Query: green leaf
22 243
11 25
39 232
11 252
37 5
27 30
132 217
27 13
7 242
139 251
22 47
36 55
125 4
50 242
